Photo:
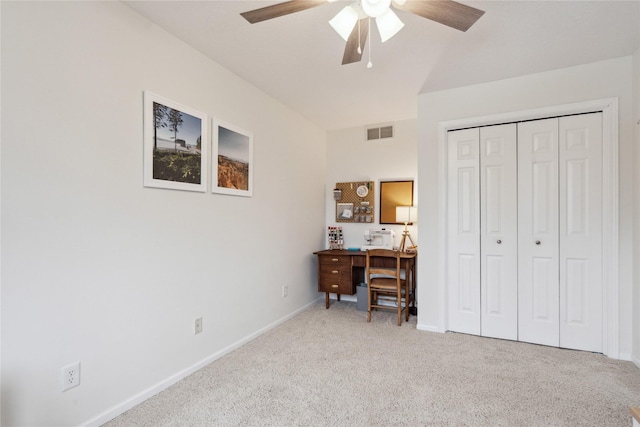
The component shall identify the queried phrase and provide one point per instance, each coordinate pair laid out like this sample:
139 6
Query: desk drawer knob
335 286
334 272
335 259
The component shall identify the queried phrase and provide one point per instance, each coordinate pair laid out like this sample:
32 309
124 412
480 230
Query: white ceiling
297 58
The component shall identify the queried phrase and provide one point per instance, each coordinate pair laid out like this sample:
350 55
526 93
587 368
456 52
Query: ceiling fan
353 22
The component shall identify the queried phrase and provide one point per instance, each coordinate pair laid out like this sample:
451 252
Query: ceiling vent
379 132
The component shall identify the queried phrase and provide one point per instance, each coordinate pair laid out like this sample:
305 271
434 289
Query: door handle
499 241
537 242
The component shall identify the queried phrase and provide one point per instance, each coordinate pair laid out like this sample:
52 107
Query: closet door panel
498 232
538 254
580 155
545 282
464 232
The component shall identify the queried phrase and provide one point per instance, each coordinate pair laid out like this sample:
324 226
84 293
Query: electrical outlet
70 376
198 325
285 291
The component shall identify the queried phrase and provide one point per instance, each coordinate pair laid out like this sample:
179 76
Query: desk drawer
335 287
334 275
334 260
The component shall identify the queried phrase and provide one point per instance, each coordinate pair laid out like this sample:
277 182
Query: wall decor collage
180 155
355 201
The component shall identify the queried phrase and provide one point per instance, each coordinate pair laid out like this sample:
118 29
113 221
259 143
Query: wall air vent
379 132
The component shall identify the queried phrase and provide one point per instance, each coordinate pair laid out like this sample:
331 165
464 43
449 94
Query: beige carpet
332 368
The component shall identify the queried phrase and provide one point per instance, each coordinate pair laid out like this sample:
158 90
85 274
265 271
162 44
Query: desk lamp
408 215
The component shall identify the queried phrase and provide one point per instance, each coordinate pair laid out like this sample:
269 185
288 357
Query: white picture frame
176 145
231 160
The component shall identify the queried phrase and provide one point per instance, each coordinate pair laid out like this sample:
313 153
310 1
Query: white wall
612 78
100 270
636 215
351 158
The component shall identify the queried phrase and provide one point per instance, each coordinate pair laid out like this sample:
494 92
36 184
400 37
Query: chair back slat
387 262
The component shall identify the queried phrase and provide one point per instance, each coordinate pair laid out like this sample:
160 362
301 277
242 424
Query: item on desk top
353 249
379 239
336 238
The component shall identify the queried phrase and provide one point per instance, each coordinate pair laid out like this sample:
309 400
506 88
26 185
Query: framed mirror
392 194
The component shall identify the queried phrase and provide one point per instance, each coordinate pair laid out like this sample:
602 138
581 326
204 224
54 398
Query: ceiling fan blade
351 50
447 12
280 9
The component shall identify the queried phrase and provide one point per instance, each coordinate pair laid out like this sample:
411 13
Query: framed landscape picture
175 145
232 160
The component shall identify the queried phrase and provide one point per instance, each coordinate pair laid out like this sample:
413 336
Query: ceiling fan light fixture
344 22
375 8
388 25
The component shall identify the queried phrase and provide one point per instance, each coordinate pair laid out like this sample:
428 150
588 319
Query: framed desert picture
232 160
175 145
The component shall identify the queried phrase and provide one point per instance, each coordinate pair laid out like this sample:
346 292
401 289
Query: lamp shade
344 22
406 214
388 25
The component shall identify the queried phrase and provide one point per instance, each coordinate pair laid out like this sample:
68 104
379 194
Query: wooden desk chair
384 282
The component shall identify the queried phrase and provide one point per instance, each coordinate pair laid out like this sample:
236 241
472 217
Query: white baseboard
624 356
428 328
137 399
636 361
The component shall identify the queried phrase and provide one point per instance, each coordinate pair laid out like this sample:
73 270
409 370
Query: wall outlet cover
70 376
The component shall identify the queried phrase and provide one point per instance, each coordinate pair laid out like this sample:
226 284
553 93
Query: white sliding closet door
560 232
525 231
538 253
483 231
498 232
581 298
464 231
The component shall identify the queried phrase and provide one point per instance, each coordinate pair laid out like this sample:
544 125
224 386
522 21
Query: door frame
610 203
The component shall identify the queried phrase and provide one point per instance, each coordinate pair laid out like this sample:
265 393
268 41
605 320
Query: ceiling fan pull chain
369 64
359 44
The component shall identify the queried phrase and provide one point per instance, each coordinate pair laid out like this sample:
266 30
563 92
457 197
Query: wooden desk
340 271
